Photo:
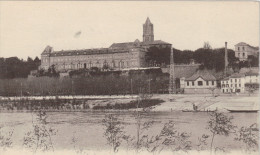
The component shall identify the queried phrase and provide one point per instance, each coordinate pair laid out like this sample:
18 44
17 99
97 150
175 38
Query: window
243 54
200 83
192 83
239 85
207 83
235 80
228 85
231 80
238 54
187 83
231 85
243 48
238 48
235 85
212 82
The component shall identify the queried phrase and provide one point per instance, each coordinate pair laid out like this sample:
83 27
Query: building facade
233 84
243 50
118 56
239 82
199 82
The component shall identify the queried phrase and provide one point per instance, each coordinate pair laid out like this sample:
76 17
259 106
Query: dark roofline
202 78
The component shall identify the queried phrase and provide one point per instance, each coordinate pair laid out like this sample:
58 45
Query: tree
5 139
253 60
158 56
220 124
249 136
41 136
113 131
206 45
251 87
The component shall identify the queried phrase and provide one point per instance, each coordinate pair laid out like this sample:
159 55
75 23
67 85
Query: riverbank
206 102
158 102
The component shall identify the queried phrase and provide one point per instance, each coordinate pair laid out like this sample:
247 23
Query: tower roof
148 22
48 49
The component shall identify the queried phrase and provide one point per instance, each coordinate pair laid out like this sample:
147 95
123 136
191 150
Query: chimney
226 58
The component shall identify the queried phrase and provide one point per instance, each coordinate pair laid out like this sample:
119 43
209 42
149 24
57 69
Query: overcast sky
26 28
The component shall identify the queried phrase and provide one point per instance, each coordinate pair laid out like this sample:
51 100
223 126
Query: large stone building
243 50
118 56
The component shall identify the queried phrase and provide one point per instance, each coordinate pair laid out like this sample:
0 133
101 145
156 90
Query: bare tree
41 136
220 124
113 131
206 45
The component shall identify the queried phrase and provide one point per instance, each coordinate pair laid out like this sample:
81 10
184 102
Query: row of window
231 80
85 58
242 54
200 83
243 48
227 85
231 90
120 64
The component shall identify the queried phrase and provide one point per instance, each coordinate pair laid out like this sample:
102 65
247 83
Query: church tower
148 31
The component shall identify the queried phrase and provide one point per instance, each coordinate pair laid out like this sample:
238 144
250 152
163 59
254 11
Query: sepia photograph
129 77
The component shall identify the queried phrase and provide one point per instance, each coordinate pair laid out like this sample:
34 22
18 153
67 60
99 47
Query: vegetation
113 131
206 56
17 68
251 87
41 136
220 124
95 85
249 136
133 104
5 139
169 137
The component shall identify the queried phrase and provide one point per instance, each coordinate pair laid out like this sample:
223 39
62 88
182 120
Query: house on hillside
200 82
243 50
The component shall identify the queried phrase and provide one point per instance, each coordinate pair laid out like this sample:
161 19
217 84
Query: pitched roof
186 71
48 49
124 45
251 73
148 22
245 44
237 75
87 52
241 44
204 74
245 70
138 44
155 42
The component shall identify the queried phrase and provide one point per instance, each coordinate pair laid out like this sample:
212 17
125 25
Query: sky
26 28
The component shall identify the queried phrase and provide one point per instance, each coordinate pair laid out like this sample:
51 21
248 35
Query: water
87 127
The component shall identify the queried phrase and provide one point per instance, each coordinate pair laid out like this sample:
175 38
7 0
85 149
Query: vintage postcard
129 77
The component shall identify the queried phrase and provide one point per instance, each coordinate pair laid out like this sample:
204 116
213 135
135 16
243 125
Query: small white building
251 77
234 83
200 82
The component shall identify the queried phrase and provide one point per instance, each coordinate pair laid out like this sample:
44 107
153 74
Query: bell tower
148 31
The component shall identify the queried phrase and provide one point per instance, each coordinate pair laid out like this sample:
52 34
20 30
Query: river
87 127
